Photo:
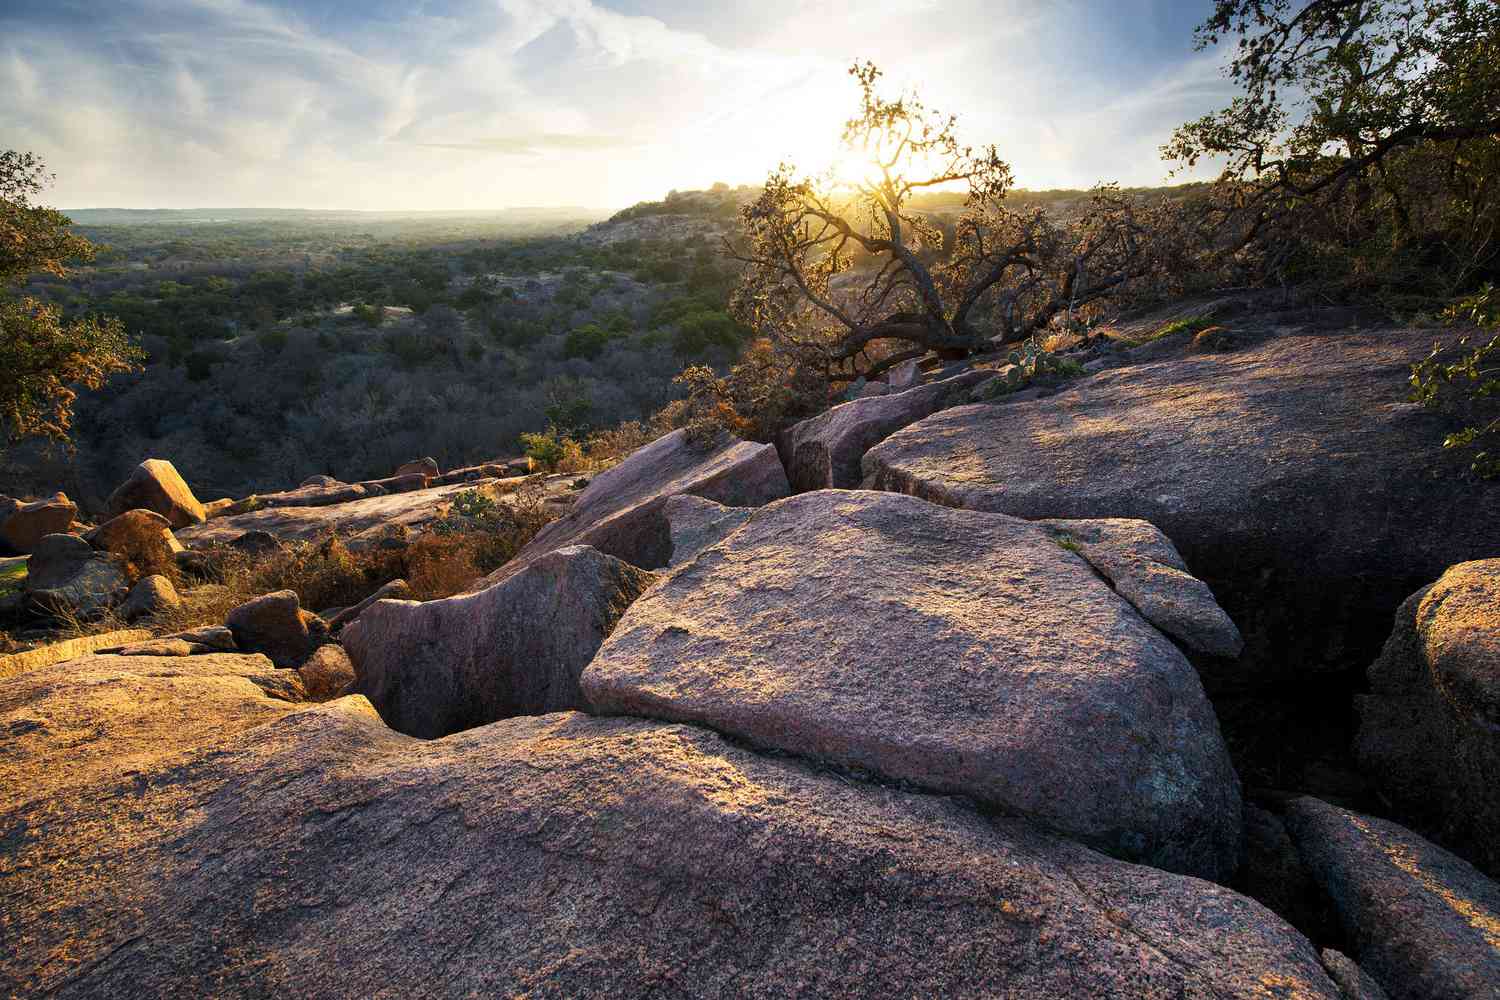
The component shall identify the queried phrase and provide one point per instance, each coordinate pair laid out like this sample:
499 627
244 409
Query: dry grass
328 574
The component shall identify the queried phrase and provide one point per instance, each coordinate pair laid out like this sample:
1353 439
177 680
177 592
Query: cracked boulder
514 648
1429 733
956 651
825 451
1286 473
1145 569
1424 923
188 834
621 514
141 538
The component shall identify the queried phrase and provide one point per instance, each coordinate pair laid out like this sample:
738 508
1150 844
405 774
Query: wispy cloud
290 102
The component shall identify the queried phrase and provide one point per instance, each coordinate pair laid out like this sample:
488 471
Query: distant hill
188 216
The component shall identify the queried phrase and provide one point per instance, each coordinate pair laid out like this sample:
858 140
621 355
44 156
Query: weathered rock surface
515 648
696 523
23 525
156 485
66 576
141 538
68 649
825 451
1430 728
150 595
1425 924
255 542
621 514
1355 983
276 625
321 495
1145 569
396 484
394 590
358 523
1286 474
177 851
1018 678
327 672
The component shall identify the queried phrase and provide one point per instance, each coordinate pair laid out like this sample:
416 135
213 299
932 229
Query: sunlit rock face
621 511
1430 727
1425 923
188 829
958 651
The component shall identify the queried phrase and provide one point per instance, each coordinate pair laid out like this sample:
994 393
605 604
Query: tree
1365 119
42 356
840 265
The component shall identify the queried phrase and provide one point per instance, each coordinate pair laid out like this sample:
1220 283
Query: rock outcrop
620 512
254 848
276 625
156 485
23 525
825 451
421 467
514 648
1425 924
357 523
960 651
1286 474
68 649
1430 727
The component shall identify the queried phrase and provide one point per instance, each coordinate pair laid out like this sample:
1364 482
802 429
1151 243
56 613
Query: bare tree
848 271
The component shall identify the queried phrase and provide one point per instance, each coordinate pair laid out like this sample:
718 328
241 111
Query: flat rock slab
514 648
1285 473
1426 924
620 511
356 522
321 854
67 649
960 651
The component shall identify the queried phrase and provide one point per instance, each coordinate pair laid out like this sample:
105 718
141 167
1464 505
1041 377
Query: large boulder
1430 727
23 525
620 511
515 648
825 451
155 485
419 467
276 625
65 576
959 651
186 853
1293 475
142 539
1425 924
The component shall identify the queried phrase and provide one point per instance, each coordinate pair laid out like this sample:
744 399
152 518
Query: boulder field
949 734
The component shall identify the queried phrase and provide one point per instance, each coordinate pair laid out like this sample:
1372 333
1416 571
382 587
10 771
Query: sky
488 104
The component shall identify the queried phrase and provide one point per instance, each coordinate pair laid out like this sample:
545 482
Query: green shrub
1470 384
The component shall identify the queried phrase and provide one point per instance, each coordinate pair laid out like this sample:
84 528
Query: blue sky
475 104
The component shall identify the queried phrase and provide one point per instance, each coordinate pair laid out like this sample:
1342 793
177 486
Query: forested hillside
282 345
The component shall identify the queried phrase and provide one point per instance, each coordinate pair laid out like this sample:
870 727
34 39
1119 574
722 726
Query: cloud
161 103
